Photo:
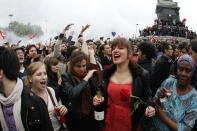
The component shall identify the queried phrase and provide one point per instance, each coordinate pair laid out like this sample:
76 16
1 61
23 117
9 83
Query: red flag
3 35
32 36
153 39
184 20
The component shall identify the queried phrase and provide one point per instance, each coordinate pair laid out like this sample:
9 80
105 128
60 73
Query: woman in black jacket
77 94
122 82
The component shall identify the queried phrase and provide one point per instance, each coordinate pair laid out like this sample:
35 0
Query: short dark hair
9 63
194 45
148 49
165 46
29 47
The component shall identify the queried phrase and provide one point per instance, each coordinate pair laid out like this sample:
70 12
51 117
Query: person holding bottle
121 81
77 94
37 82
176 99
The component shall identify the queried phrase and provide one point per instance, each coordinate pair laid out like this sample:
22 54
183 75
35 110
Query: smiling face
184 73
39 78
120 55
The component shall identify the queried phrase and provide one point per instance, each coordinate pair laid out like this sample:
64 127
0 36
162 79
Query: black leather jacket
71 92
34 113
71 97
161 71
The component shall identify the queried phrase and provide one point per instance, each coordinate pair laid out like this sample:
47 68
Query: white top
51 111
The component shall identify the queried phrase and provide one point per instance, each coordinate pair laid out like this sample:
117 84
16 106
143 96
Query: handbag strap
50 95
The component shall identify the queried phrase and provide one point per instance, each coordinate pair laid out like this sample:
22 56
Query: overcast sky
104 16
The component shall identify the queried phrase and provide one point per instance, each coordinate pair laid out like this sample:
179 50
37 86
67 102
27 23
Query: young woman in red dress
122 80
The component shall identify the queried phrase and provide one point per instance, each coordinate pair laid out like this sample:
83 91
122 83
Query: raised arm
57 50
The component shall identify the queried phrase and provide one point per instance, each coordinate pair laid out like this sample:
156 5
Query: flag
183 21
3 35
113 34
153 39
32 36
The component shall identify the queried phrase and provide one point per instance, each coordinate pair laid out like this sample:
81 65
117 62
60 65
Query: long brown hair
76 57
49 61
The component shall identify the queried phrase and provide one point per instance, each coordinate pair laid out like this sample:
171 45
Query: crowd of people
86 85
168 28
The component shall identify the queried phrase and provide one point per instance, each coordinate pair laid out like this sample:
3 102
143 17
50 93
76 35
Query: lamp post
136 31
10 15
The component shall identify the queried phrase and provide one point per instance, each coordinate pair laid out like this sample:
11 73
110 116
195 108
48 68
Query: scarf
13 99
188 59
86 102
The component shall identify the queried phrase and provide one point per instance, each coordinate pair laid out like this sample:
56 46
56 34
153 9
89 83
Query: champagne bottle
99 111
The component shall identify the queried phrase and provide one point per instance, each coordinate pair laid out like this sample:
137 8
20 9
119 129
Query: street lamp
136 31
10 15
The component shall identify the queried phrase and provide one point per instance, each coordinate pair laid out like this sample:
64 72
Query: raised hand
89 74
68 27
84 28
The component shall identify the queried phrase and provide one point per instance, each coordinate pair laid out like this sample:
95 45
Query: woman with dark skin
176 99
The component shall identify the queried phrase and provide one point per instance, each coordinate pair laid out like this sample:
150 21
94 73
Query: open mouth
116 56
21 59
43 83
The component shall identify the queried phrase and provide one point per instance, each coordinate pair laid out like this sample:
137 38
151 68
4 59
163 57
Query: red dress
118 114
